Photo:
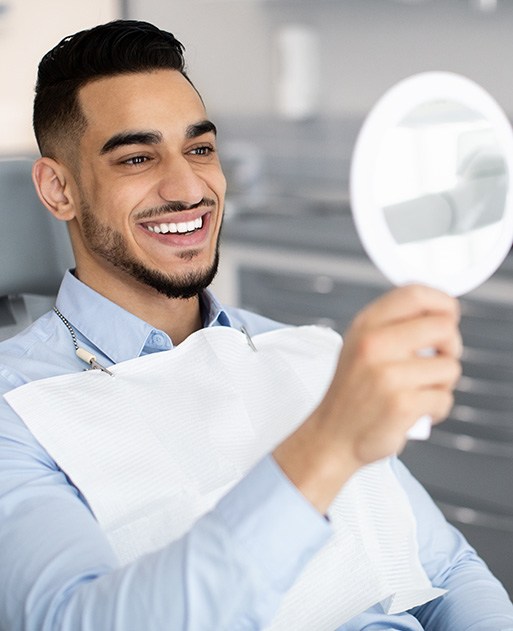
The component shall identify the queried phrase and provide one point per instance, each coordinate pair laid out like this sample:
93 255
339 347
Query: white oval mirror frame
436 102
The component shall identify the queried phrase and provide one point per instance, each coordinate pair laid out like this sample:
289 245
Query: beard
112 247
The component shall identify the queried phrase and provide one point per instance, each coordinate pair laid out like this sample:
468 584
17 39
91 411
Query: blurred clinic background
288 83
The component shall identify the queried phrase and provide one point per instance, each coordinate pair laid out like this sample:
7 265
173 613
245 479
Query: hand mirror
429 185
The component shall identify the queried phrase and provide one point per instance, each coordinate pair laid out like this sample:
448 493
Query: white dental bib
154 447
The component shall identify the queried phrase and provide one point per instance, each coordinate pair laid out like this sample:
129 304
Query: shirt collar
117 333
213 312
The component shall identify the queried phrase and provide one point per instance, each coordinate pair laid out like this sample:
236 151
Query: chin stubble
112 247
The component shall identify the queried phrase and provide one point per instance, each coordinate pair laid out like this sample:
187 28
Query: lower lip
176 239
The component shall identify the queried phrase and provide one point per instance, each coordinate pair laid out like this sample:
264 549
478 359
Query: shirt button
158 340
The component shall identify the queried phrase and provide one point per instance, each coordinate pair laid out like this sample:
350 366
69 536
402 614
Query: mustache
173 207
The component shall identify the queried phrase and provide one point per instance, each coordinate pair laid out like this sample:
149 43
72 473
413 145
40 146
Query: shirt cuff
276 525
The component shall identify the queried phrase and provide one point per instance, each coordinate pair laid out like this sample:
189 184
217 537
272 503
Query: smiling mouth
181 227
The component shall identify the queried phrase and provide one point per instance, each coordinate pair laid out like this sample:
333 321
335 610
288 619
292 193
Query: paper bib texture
154 447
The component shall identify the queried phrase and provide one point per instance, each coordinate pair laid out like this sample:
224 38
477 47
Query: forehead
162 100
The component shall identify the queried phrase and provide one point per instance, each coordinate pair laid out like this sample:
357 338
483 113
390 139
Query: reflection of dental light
476 201
418 219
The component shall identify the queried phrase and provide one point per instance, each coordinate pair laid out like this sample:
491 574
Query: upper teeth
183 226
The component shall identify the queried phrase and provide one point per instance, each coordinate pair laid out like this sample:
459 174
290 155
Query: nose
180 182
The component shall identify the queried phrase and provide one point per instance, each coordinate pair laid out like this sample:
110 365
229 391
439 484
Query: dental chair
34 250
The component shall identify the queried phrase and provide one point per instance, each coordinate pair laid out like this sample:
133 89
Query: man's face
149 183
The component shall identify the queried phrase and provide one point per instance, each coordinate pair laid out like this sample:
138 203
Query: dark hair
118 47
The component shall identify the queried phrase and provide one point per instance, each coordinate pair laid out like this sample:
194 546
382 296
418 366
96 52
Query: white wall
28 29
367 45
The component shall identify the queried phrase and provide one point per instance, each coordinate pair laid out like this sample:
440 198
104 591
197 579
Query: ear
51 180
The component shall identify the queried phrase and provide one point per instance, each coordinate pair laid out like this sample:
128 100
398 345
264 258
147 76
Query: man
129 161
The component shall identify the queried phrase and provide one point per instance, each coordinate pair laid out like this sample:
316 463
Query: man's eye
135 160
204 150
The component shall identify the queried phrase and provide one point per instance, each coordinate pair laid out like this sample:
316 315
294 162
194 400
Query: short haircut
118 47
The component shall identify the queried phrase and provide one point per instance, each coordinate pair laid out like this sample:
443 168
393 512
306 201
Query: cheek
217 183
213 176
221 181
112 203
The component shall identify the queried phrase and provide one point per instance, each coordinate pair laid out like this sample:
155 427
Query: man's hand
384 382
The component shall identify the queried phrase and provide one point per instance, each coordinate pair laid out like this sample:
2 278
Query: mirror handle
421 430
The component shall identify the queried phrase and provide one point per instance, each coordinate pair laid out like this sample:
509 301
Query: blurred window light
485 6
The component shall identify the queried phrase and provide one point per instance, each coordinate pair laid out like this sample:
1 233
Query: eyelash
202 150
136 161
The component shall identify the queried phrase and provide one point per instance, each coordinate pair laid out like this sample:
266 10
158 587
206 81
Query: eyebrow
198 129
154 137
131 138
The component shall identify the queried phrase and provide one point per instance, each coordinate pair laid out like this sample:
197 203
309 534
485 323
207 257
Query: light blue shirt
230 572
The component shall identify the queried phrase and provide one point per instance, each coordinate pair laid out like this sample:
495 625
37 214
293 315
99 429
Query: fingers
404 339
408 302
391 396
385 438
405 322
385 379
417 374
408 407
384 382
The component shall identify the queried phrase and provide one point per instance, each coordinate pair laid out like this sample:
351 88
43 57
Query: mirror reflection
441 180
430 183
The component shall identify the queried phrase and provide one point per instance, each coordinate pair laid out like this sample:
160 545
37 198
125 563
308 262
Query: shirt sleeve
58 571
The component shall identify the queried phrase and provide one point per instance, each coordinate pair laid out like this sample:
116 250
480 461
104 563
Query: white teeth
182 227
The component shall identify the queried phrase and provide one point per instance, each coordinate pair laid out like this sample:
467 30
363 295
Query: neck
175 316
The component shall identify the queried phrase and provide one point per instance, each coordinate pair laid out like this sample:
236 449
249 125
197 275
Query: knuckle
369 344
448 369
358 322
448 335
458 371
453 372
458 345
